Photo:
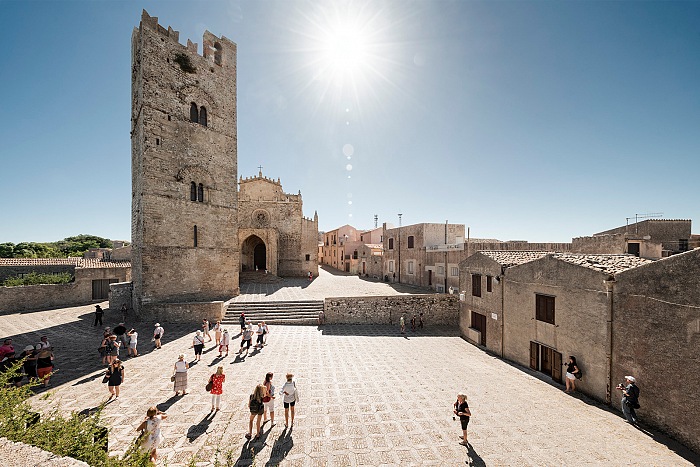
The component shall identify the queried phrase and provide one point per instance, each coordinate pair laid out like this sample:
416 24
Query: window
391 266
476 285
489 284
544 308
441 270
410 241
410 267
354 254
195 236
200 193
308 257
194 113
217 53
454 271
683 244
203 116
391 243
193 191
362 238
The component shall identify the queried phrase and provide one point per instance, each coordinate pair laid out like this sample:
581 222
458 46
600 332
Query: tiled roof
610 264
76 262
514 258
374 245
484 240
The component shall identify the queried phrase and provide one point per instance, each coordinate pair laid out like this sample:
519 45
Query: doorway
260 257
546 360
479 323
430 277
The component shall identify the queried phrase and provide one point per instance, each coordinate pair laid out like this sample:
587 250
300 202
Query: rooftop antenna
376 218
648 215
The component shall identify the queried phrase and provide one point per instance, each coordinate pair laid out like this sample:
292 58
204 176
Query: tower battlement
217 50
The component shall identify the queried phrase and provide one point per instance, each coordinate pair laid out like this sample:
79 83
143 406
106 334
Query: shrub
34 278
80 436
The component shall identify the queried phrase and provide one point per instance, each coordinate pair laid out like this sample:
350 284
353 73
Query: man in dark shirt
98 315
630 399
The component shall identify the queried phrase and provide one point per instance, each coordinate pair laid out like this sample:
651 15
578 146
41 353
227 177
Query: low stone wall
182 312
120 293
38 297
439 309
24 455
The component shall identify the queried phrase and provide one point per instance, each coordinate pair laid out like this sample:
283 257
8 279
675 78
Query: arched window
194 113
203 116
217 53
200 193
193 191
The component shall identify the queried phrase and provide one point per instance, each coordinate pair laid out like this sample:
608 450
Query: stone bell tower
184 168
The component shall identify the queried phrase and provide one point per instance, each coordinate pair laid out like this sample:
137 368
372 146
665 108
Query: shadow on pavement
195 431
474 459
281 448
383 330
164 406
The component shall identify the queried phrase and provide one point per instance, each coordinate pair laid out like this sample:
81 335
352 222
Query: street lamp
400 247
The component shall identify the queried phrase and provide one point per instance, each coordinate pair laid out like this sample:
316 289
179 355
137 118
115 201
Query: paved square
368 397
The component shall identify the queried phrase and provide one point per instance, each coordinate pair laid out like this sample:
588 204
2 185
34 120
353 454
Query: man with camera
630 399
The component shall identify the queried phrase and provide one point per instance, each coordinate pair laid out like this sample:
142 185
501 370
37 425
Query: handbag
172 379
209 385
105 379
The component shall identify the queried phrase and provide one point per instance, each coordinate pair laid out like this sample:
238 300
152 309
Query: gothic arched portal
260 257
253 254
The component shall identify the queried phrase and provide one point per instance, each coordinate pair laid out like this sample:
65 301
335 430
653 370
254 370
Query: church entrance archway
253 254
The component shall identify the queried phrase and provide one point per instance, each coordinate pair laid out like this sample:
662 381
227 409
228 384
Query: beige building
338 246
273 234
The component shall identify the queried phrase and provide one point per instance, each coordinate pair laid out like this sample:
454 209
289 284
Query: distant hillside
71 246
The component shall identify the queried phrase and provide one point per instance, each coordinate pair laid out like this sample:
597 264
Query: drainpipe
609 286
503 308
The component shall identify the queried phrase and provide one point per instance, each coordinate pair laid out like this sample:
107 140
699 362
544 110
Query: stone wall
121 293
187 312
656 340
436 309
13 271
668 232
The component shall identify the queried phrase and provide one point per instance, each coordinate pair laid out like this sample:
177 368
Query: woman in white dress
150 432
225 341
180 375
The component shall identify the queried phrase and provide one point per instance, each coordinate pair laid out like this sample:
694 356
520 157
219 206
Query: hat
28 348
630 378
157 324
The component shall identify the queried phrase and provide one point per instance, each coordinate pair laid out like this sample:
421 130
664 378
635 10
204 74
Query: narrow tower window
195 236
193 191
200 193
203 116
194 113
217 53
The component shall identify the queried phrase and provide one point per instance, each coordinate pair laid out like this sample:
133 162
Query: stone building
184 164
618 314
273 234
334 251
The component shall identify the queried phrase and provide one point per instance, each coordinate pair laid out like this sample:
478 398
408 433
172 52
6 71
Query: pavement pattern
369 396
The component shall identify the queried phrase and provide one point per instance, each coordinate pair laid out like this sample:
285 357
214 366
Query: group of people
38 361
416 322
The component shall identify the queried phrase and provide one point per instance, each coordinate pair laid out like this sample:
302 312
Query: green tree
7 250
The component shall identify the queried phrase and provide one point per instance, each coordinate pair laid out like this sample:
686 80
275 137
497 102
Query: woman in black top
115 373
571 370
461 408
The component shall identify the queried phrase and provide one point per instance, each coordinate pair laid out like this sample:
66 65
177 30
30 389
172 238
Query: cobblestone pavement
329 283
368 397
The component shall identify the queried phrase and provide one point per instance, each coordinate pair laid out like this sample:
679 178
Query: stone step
292 312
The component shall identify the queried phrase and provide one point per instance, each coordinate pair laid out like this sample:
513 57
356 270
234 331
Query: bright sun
345 49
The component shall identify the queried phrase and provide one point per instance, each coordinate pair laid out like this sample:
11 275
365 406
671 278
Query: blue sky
538 121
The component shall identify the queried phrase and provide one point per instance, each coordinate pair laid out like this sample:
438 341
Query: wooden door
534 355
556 366
547 360
479 323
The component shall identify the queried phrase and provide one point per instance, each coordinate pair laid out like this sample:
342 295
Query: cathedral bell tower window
193 191
203 116
200 193
194 113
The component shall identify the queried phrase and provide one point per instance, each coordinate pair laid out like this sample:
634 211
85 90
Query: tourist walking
6 348
291 397
225 341
242 321
29 365
571 374
179 377
630 399
321 318
44 343
150 432
217 332
205 329
461 409
120 331
402 323
158 335
246 339
266 331
133 342
115 378
122 310
198 345
99 312
257 408
216 387
420 321
269 400
104 353
413 322
260 333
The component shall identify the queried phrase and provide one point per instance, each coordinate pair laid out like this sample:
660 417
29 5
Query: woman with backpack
256 406
572 372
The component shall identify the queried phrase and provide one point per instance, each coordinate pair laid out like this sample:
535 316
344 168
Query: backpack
255 405
579 374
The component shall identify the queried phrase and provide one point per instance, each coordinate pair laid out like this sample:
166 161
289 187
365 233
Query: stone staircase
258 277
301 312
